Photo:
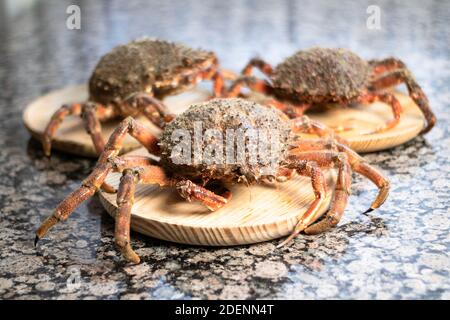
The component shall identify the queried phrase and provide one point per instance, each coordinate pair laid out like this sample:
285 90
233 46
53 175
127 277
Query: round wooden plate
254 214
71 137
361 121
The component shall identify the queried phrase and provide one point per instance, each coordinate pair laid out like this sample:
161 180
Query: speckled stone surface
400 251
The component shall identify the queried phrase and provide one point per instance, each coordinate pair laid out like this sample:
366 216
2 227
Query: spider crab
132 79
192 174
320 76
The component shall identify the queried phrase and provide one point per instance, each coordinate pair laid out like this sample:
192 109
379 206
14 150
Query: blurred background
235 29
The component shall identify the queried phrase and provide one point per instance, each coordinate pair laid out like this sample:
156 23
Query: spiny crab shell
321 75
146 65
222 115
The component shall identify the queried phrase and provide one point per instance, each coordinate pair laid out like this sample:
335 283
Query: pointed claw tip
284 242
368 210
133 258
36 240
46 146
291 237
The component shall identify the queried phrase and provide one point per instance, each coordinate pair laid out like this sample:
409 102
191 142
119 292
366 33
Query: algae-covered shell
136 66
222 115
321 75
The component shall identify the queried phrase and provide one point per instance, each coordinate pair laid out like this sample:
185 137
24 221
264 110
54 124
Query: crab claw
368 210
299 228
36 240
287 240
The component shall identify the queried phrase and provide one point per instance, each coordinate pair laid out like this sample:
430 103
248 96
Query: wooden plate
254 214
362 120
71 136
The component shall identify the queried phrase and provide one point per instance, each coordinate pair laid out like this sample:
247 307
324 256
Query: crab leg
101 170
292 111
137 131
228 74
54 123
385 65
150 174
125 200
218 80
94 129
88 188
329 159
251 82
218 77
390 100
284 174
189 190
93 126
147 174
142 171
305 125
264 87
263 66
153 109
92 115
340 198
115 142
415 91
309 169
357 163
218 84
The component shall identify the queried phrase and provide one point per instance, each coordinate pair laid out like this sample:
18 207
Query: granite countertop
400 251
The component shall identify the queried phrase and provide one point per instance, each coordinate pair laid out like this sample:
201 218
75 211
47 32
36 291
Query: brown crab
320 76
132 79
193 173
